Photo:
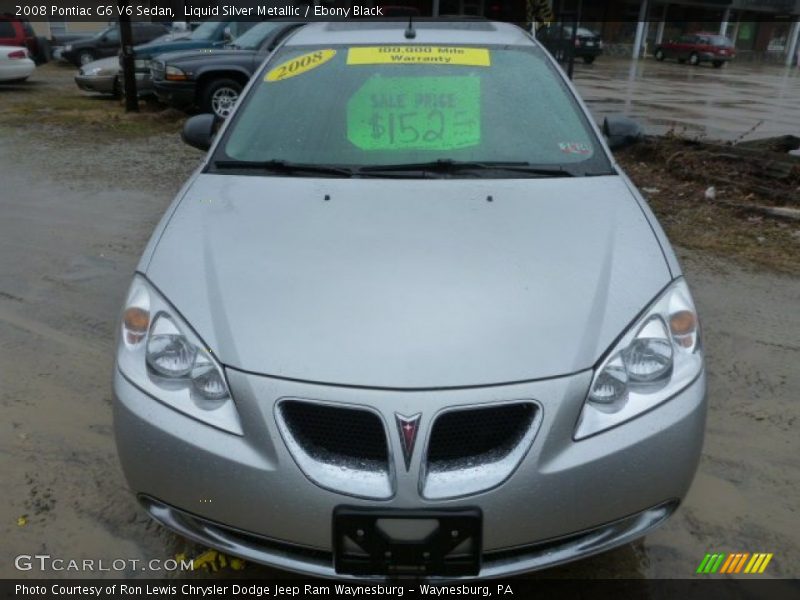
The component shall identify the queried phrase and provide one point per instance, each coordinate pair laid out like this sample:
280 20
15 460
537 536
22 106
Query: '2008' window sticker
411 113
418 54
299 65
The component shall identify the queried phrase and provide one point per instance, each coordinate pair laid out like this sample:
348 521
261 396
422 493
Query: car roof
432 31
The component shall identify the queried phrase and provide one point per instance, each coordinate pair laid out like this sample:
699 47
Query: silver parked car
100 76
409 317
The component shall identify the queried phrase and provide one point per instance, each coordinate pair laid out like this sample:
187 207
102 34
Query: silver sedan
100 76
409 317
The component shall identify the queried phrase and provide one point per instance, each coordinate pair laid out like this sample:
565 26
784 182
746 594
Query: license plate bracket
363 542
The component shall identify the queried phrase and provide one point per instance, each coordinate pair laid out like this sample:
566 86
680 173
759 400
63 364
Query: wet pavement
77 211
738 101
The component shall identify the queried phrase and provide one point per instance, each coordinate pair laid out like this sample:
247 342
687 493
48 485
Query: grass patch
51 98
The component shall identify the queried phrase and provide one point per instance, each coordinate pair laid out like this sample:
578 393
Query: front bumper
588 51
177 94
102 85
246 495
712 57
319 563
144 83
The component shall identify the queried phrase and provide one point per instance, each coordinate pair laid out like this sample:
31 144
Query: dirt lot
78 200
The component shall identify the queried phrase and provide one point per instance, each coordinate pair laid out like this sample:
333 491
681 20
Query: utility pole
129 76
576 20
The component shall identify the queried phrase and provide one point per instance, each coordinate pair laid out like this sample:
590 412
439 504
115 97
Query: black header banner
687 11
303 589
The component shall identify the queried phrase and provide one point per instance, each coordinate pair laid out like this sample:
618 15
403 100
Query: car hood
408 283
110 65
145 50
83 42
170 37
193 56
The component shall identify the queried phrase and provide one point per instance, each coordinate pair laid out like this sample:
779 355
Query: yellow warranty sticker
415 55
300 64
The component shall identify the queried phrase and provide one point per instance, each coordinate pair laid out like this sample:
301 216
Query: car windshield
400 106
108 31
581 31
205 31
720 40
254 37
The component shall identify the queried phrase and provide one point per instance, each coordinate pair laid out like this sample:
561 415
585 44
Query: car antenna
410 33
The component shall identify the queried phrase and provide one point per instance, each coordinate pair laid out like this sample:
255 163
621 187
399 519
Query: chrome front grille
341 448
346 448
337 434
476 434
472 449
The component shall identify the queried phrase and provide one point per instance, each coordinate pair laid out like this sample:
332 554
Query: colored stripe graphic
741 562
753 563
765 563
758 563
711 563
728 564
703 563
720 562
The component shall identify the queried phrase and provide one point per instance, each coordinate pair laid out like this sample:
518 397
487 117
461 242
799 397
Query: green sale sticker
409 113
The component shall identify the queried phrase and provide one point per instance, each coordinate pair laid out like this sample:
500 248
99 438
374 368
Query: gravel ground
78 201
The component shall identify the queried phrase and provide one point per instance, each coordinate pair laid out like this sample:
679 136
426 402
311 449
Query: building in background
760 29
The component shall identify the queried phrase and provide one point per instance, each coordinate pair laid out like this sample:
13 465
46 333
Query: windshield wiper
283 166
446 165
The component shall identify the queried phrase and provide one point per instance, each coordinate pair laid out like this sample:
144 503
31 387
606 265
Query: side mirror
198 131
620 131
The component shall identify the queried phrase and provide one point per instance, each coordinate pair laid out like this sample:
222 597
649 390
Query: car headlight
658 357
175 74
160 354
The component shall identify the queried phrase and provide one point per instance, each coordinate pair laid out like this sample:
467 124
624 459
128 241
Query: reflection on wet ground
741 99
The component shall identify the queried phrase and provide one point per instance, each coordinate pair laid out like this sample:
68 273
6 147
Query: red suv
695 48
17 32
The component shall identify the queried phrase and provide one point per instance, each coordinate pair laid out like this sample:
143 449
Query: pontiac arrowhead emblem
407 427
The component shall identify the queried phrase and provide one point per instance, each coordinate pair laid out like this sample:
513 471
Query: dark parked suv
212 79
696 48
210 34
557 39
106 43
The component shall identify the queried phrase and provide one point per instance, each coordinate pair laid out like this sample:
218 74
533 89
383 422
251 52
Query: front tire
694 59
219 96
660 56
